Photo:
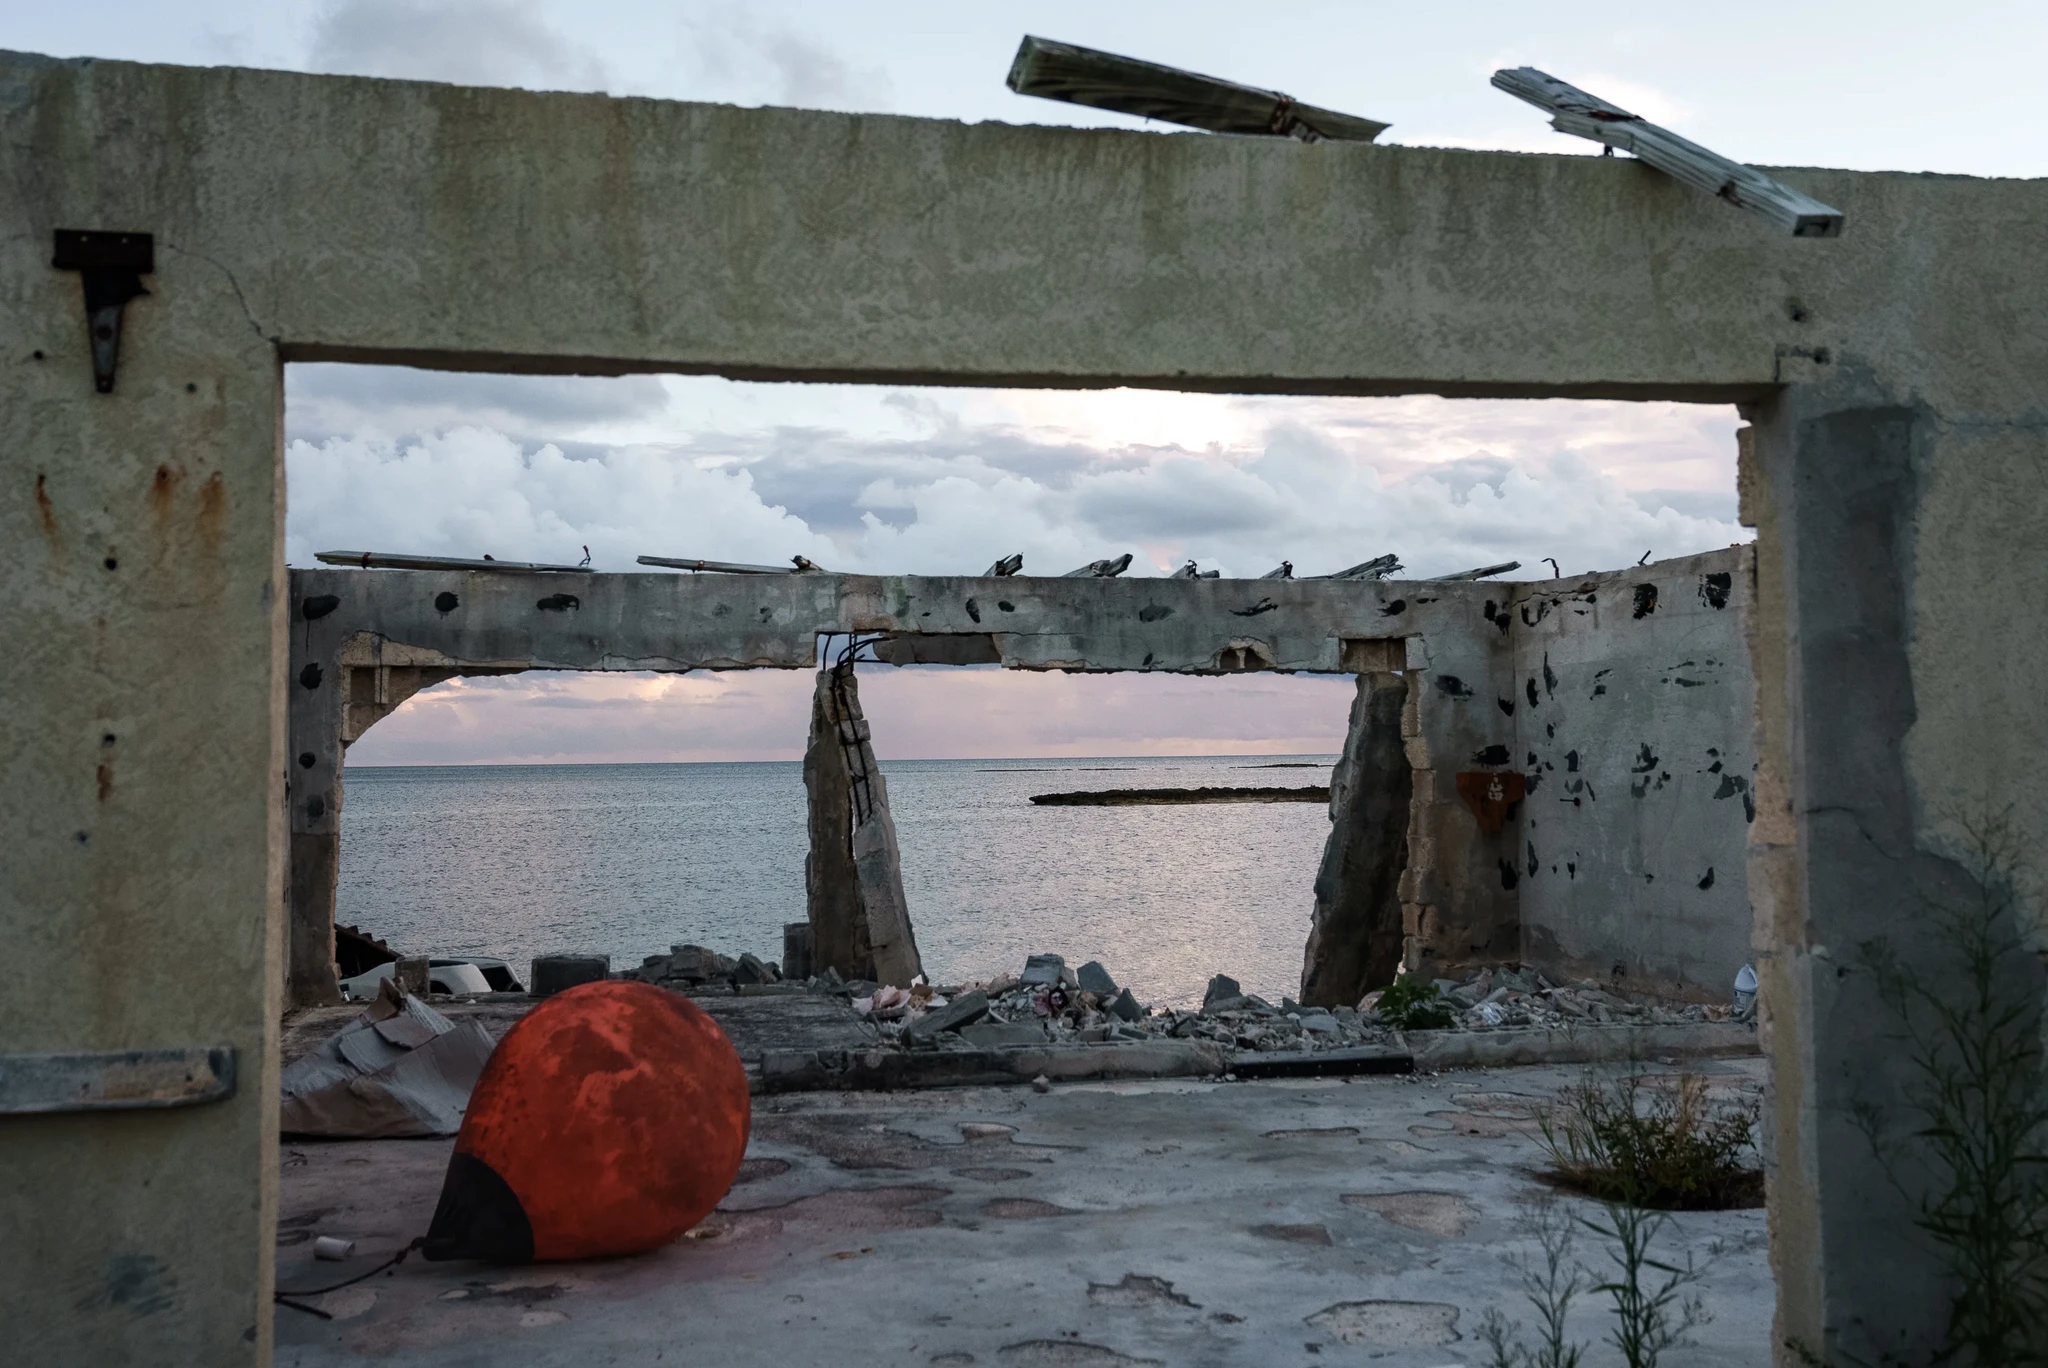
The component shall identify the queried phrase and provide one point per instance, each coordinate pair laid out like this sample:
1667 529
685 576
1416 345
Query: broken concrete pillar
853 877
342 683
1354 944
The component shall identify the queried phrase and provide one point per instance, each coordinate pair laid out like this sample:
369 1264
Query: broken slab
964 1010
1580 1044
886 1070
1362 1059
399 1069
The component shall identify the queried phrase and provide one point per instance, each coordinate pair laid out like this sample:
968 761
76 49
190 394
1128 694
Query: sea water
521 860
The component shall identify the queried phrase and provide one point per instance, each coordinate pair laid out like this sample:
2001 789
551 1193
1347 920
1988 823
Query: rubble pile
1048 1003
1491 998
693 966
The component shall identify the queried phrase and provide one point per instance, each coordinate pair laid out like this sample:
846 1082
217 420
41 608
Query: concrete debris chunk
1042 971
991 1035
553 973
1093 978
1126 1006
1221 987
964 1010
750 969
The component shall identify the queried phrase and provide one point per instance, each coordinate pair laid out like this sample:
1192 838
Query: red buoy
609 1120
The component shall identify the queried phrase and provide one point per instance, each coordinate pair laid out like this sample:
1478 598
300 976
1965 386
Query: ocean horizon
627 859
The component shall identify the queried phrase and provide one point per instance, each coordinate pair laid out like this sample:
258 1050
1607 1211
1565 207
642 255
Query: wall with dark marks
1893 378
1456 907
1635 738
364 641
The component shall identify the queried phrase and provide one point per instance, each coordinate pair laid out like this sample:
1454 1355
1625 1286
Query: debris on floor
1048 1003
399 1069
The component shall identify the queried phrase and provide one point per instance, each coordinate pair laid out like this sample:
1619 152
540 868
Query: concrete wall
1481 658
1634 711
1893 378
363 641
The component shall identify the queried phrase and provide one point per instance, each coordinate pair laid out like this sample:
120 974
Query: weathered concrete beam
593 621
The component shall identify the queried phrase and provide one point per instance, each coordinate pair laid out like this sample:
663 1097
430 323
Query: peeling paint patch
1388 1324
1140 1292
1434 1213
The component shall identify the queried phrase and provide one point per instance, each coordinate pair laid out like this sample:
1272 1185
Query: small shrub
1652 1311
1414 1004
1977 1104
1624 1140
1550 1285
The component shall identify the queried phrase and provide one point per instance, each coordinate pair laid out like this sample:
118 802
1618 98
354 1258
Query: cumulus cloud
944 482
737 57
469 42
472 492
1323 483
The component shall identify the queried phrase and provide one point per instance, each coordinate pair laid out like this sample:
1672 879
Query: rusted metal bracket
116 1080
112 266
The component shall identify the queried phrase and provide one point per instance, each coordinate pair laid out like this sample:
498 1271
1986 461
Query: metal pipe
384 560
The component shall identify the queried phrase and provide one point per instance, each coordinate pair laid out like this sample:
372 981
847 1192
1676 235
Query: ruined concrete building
1468 817
155 799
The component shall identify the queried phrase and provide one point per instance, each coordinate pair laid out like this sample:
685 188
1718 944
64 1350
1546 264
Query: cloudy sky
947 480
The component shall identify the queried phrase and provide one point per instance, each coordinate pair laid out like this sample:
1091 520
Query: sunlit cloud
944 482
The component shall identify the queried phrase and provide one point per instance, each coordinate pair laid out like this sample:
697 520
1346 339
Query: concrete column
1883 610
318 689
340 686
142 763
1354 944
860 921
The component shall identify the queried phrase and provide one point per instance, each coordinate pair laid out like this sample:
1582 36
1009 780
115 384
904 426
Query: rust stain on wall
1490 796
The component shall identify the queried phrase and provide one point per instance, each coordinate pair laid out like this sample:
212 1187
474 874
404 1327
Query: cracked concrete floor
1096 1226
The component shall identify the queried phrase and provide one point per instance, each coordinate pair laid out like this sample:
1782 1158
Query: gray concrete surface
1898 461
1096 1226
1635 712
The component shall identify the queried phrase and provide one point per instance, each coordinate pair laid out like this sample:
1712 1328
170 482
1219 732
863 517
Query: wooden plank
116 1080
1103 80
1576 112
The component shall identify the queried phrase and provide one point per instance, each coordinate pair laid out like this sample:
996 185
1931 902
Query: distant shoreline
1163 796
